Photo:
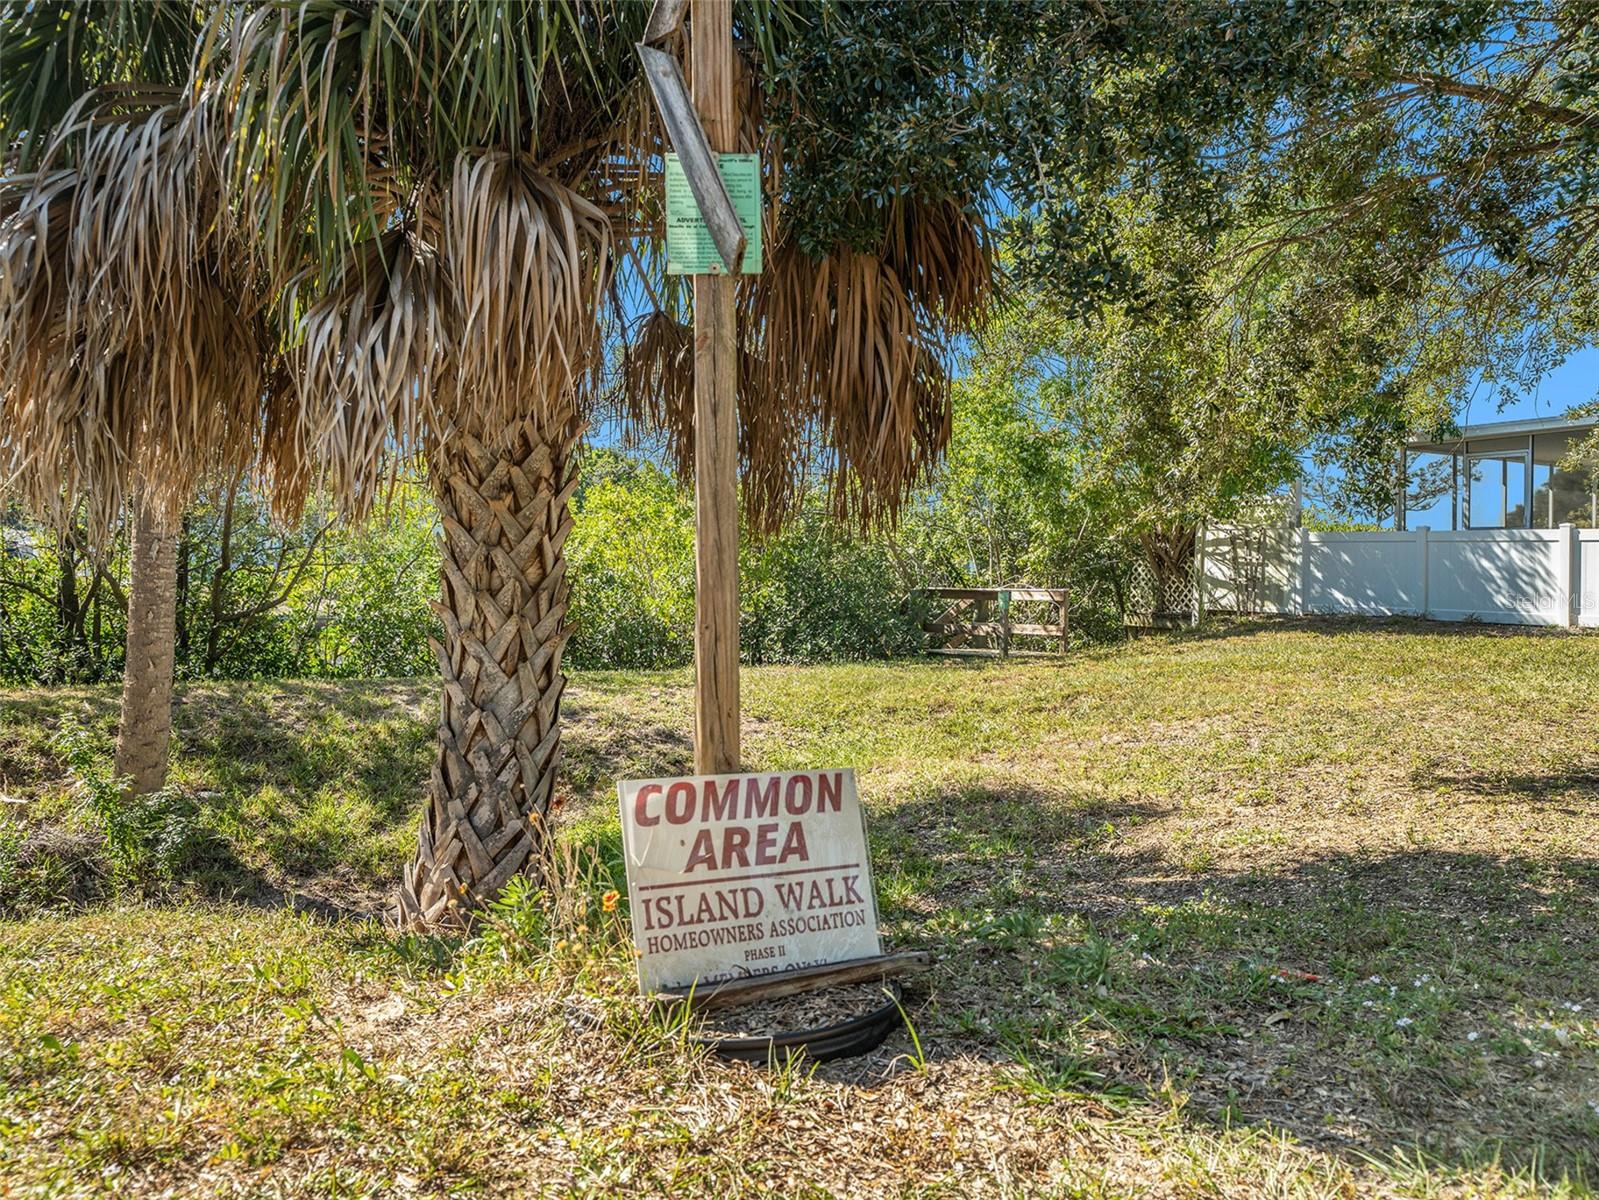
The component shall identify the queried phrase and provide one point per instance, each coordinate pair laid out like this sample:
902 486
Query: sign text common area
732 876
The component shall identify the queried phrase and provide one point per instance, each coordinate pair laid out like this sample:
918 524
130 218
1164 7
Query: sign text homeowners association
732 876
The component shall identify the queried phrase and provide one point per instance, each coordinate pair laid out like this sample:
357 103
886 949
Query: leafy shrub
148 839
631 557
816 592
812 593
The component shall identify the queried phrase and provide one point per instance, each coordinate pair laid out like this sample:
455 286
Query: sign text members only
737 875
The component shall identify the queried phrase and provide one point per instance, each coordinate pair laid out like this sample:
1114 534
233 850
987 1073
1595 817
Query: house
1502 475
1495 524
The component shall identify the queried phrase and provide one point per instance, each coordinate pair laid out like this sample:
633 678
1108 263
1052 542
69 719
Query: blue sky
1575 381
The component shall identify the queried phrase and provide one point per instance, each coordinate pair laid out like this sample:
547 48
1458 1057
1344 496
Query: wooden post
1004 624
716 705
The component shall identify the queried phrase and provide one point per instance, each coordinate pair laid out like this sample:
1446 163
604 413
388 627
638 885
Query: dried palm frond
841 343
368 370
942 256
655 393
35 252
130 349
529 260
656 389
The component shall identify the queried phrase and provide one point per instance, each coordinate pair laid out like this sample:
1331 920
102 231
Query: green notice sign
689 249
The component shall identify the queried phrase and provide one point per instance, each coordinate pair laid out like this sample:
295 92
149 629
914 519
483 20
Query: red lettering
765 845
794 844
796 804
736 841
723 808
680 803
704 852
757 804
832 788
640 815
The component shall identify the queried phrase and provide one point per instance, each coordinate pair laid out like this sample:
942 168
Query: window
1564 486
1496 491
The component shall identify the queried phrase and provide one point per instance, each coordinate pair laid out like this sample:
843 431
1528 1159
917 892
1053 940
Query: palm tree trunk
146 730
503 603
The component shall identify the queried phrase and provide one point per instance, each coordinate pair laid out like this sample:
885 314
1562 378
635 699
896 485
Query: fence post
1199 575
1423 548
1004 623
1301 544
1065 621
1567 573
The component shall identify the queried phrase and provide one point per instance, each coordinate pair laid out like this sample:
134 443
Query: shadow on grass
1542 789
1224 627
1423 999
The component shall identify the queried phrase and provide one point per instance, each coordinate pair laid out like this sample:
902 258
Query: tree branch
1499 98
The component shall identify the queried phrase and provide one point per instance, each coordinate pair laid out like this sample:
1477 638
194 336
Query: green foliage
632 565
811 593
254 599
816 592
62 612
53 51
147 838
922 131
329 601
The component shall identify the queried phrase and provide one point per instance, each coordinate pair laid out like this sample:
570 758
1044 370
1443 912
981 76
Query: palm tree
482 197
457 208
129 344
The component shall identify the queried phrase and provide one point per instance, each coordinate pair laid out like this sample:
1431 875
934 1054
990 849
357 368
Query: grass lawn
1303 909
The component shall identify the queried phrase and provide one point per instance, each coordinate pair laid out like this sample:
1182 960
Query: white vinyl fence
1513 576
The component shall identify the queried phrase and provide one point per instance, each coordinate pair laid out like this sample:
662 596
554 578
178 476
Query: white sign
731 876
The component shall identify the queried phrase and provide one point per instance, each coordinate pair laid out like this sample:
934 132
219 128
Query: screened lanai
1503 475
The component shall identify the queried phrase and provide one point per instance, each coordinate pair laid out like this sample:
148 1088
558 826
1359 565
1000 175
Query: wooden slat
791 983
1051 595
979 653
961 593
665 18
690 136
977 605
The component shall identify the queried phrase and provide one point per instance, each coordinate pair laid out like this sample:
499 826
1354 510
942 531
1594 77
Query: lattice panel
1149 603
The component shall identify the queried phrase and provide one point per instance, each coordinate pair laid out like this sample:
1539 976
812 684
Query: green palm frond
54 52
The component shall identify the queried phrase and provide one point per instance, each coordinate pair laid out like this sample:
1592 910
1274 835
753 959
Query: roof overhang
1503 429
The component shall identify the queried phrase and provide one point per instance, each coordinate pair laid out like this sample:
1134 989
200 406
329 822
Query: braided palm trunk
506 519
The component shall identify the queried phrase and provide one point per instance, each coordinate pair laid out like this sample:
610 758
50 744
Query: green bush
812 593
816 592
148 839
631 558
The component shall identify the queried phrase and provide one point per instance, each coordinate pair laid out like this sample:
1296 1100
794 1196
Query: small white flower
1368 1004
1375 979
1404 1022
1473 1036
